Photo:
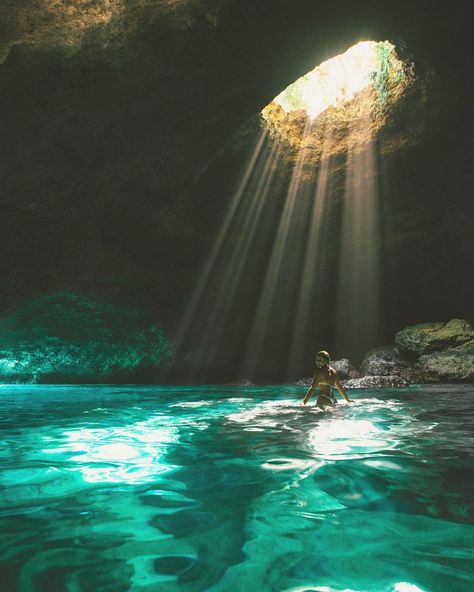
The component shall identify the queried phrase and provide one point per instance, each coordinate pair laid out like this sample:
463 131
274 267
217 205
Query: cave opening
337 80
357 88
300 246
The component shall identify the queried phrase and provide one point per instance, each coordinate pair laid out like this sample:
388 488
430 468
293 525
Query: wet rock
387 361
425 338
452 365
345 369
67 337
243 382
375 382
304 382
467 347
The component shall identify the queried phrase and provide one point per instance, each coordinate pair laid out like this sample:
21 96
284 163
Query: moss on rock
447 366
425 338
67 337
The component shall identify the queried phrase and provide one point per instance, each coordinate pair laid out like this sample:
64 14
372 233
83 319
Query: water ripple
110 489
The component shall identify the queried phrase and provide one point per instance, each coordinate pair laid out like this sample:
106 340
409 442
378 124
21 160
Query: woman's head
322 358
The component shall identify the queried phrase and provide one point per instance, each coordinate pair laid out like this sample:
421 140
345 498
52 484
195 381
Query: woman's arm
311 390
340 388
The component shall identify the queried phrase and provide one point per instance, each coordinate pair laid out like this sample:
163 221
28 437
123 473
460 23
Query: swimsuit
330 396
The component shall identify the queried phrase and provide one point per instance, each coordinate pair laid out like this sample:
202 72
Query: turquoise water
109 489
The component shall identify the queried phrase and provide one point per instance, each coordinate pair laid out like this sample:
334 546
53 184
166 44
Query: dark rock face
386 361
376 382
427 352
122 142
393 366
450 365
430 337
71 338
344 369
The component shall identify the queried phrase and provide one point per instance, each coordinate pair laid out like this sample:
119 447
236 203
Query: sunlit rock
71 338
68 27
424 338
342 103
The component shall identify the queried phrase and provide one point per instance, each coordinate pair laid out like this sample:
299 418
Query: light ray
358 293
238 257
282 236
199 290
279 285
308 297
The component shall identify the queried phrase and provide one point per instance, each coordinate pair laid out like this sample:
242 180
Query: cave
216 216
128 131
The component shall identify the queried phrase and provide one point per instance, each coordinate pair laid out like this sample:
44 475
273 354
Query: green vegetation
388 72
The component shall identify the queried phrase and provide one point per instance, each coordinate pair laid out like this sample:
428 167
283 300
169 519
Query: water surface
110 489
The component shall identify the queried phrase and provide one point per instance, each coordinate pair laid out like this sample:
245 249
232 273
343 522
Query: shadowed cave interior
128 130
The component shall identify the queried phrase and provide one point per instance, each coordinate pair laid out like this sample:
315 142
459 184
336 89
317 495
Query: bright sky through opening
333 82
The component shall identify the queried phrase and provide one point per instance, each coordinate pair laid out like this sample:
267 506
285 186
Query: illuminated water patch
129 454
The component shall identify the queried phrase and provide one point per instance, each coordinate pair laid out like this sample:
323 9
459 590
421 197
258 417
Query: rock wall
67 337
427 352
450 358
122 142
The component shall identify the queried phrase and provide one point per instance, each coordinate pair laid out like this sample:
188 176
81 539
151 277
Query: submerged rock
375 382
425 338
70 338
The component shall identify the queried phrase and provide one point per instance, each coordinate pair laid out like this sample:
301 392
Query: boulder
417 340
452 365
304 382
344 369
386 361
467 347
375 382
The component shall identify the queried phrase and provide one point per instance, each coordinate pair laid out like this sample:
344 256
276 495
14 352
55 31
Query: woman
325 378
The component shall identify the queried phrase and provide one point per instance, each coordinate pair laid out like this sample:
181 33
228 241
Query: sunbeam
305 211
198 291
358 302
309 293
283 238
237 255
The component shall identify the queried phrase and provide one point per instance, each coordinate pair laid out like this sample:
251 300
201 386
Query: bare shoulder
332 373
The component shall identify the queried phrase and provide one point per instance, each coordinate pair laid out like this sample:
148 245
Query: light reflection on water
211 488
113 455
